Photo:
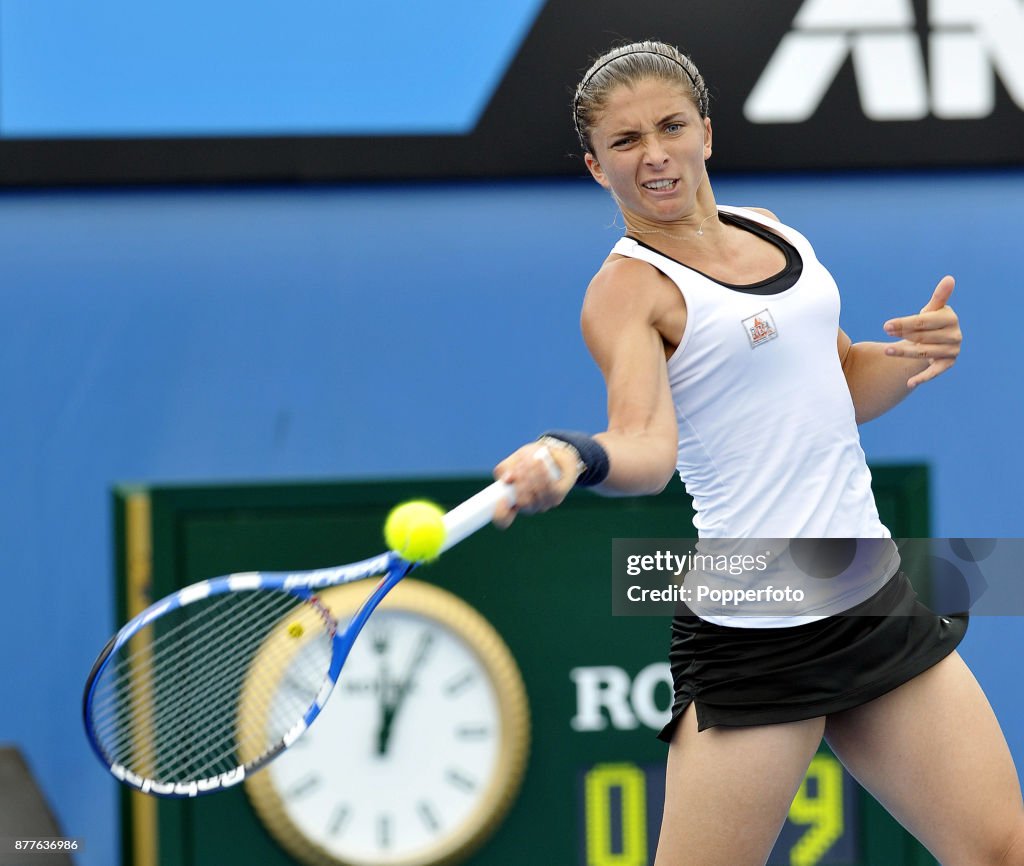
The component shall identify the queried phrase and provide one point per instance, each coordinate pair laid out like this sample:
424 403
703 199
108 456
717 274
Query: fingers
936 368
936 315
937 325
931 351
933 335
940 297
940 357
504 514
542 478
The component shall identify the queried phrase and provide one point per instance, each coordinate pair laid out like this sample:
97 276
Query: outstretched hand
542 477
933 334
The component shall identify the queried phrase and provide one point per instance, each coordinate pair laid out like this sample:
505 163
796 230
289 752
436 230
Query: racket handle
476 512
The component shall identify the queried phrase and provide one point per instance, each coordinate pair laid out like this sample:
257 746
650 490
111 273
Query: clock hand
402 688
379 639
387 704
379 643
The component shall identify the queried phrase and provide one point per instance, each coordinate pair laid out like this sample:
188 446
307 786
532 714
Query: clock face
415 756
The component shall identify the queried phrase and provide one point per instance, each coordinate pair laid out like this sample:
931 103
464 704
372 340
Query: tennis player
717 331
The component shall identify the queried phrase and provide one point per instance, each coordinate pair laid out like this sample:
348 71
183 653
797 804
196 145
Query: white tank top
768 441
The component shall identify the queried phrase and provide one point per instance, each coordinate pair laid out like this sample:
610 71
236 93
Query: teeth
659 184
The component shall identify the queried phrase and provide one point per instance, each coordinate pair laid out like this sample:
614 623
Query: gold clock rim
483 640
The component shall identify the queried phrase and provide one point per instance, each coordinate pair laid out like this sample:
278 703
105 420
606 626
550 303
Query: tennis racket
181 701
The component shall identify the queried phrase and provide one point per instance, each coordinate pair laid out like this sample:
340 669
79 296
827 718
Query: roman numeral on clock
429 816
472 732
338 819
459 684
460 780
304 786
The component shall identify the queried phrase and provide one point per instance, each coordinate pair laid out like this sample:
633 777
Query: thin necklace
700 230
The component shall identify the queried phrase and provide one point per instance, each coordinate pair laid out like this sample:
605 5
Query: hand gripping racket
212 682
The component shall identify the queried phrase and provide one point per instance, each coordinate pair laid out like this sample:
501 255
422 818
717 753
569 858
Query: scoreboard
621 813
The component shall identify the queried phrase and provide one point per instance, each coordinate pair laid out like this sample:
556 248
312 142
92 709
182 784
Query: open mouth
659 185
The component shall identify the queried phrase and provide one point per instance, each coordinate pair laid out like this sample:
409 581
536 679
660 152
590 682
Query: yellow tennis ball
296 629
415 530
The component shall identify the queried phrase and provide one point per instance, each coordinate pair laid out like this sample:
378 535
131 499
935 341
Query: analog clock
420 750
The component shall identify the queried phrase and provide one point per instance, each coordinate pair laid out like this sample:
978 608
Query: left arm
880 375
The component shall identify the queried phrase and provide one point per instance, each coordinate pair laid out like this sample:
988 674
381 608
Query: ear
594 167
707 138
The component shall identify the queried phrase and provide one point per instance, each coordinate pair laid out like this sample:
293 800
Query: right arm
624 309
625 304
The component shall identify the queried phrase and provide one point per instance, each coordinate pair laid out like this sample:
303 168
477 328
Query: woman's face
650 144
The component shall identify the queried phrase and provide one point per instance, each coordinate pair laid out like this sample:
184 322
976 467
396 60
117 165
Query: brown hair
627 65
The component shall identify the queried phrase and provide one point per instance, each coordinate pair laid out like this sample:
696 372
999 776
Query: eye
625 141
673 128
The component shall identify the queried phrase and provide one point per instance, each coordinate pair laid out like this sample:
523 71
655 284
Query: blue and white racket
182 702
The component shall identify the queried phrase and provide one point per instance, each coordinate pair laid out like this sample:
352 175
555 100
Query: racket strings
187 704
130 680
241 740
133 679
153 649
208 733
184 685
264 704
147 709
139 711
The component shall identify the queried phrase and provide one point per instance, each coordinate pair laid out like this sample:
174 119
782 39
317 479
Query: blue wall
197 335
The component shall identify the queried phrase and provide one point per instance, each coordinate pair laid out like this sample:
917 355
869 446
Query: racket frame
461 522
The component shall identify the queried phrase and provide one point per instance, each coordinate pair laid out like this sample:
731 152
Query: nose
654 151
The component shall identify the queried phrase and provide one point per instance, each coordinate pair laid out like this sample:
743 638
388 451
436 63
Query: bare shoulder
630 303
764 212
624 287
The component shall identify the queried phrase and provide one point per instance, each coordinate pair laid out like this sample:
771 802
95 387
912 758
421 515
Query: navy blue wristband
591 452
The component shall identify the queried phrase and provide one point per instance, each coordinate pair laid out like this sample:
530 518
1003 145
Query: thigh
728 790
932 752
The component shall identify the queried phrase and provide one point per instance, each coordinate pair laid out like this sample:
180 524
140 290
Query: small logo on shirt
760 328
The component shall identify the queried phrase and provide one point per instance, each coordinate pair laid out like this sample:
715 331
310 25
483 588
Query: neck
687 229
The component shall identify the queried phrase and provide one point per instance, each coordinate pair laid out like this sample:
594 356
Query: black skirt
759 676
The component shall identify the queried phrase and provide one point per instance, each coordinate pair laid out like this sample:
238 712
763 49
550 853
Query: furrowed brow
675 116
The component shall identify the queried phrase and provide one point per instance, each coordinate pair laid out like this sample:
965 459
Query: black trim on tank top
774 285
